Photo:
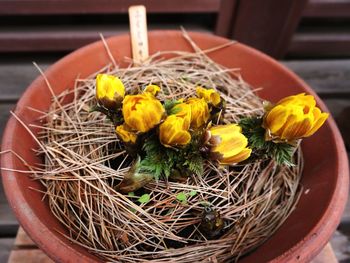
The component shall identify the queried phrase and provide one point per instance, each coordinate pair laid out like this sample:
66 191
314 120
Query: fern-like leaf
169 106
281 152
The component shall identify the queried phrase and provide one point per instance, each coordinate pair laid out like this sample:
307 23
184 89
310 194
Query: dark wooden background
311 37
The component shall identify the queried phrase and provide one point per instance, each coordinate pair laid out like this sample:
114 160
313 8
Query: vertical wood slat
267 25
225 18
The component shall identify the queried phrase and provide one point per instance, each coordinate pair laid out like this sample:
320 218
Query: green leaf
195 164
281 152
144 198
284 153
158 159
131 194
193 193
161 161
169 106
182 197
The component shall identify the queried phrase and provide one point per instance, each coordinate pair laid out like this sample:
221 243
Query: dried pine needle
84 162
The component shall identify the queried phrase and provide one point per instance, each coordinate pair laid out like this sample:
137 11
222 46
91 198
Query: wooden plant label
138 32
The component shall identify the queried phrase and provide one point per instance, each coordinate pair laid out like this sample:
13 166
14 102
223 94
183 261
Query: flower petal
243 155
142 112
172 133
125 135
153 89
210 96
297 127
199 112
294 117
231 144
276 118
317 124
225 129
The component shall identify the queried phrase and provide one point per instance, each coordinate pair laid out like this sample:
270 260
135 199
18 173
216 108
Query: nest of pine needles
84 162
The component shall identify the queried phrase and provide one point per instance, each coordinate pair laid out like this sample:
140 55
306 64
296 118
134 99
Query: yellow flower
199 112
293 117
229 145
153 89
173 132
124 133
210 96
110 91
142 112
183 111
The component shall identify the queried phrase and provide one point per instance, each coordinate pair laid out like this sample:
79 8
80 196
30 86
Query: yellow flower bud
199 112
183 110
229 145
173 132
293 117
210 96
110 91
153 89
124 133
142 112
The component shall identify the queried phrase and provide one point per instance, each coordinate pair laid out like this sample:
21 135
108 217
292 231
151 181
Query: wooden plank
68 38
48 7
313 44
326 256
345 221
267 25
23 240
344 126
29 256
5 114
25 250
341 245
327 9
16 76
8 221
33 40
329 78
6 245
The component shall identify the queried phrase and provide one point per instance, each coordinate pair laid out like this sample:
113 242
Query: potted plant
325 174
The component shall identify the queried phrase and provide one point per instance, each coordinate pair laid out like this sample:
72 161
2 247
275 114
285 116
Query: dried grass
84 162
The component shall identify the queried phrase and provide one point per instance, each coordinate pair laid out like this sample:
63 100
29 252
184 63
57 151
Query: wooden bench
73 23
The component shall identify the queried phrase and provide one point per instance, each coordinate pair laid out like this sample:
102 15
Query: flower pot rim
59 251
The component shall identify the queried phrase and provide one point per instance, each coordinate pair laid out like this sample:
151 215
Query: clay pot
325 176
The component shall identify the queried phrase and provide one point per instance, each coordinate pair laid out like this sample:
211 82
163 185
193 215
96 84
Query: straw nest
84 162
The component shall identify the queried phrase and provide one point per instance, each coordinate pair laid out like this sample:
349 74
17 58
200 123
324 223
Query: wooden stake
138 32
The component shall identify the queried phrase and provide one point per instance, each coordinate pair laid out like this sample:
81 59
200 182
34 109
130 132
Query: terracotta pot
300 238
